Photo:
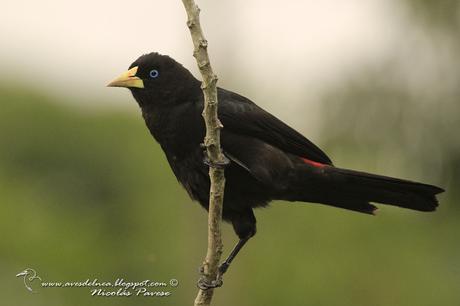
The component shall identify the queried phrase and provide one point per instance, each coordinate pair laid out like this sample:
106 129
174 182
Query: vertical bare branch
215 155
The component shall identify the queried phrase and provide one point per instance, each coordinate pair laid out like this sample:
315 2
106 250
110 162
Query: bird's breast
179 131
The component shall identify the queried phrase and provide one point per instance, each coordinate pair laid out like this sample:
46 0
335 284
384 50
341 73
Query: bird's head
156 79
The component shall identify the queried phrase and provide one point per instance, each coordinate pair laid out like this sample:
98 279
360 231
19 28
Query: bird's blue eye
154 73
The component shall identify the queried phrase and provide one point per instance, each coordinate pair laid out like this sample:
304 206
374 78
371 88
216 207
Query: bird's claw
203 283
219 165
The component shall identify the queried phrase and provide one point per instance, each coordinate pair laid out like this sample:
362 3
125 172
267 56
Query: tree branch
214 152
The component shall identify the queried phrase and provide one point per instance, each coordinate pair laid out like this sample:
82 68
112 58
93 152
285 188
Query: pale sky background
280 54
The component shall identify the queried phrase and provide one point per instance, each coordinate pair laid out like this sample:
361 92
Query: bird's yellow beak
127 79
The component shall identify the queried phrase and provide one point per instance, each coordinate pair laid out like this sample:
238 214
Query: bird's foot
204 284
218 165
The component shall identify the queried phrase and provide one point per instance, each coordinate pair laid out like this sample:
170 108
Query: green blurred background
86 193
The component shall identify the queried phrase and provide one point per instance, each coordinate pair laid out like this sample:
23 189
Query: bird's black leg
224 266
244 224
202 284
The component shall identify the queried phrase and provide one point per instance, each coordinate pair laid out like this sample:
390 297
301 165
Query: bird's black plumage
269 159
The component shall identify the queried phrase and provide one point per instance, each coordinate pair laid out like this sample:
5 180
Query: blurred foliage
442 13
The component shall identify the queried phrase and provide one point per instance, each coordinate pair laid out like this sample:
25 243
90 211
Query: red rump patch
312 163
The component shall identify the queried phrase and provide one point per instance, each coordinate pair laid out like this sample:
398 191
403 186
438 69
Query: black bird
268 159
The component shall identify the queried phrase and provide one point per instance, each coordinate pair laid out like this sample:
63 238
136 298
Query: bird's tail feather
354 190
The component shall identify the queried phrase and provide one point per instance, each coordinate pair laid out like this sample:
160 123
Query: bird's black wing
240 115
